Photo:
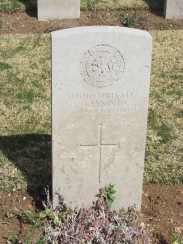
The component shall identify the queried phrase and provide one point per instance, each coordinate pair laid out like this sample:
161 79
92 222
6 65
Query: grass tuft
4 66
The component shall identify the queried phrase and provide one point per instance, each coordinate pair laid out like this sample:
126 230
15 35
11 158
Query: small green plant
109 194
163 27
1 22
129 22
46 213
176 239
28 215
36 223
12 238
10 215
4 66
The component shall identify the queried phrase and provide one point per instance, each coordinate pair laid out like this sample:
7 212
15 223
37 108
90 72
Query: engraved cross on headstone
100 145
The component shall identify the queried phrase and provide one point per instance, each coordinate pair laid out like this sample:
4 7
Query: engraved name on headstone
100 90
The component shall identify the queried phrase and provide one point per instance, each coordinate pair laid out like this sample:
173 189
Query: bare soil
25 23
162 205
162 209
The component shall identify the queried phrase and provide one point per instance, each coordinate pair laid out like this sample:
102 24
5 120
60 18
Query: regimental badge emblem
102 65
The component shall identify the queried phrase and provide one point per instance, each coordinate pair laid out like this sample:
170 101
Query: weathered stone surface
100 90
173 9
58 9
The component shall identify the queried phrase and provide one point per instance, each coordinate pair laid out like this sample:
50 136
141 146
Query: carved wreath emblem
102 65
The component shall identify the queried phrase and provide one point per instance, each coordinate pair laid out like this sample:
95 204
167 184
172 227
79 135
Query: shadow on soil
31 154
161 239
156 6
30 7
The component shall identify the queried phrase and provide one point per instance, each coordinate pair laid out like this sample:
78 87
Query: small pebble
178 230
142 225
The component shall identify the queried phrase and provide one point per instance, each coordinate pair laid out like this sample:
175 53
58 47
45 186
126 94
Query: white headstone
58 9
100 90
173 9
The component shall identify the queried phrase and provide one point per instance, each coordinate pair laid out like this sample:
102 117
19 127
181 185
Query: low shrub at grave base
176 239
97 224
